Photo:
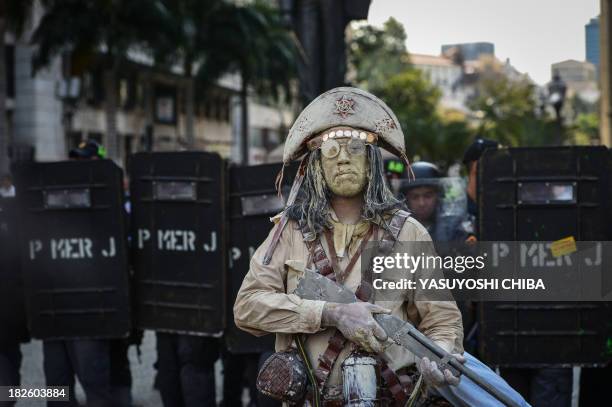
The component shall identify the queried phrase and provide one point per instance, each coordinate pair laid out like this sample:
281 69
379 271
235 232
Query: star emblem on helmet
344 107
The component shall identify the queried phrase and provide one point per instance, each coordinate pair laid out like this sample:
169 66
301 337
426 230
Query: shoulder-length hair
311 208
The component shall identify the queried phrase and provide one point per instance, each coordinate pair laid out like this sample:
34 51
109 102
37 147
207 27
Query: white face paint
346 175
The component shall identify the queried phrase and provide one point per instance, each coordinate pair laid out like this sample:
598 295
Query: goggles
355 141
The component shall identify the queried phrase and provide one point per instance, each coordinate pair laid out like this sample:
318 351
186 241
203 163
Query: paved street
142 373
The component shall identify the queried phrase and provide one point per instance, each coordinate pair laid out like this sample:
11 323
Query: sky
533 33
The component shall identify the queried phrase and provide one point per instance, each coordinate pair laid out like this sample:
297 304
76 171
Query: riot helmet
423 192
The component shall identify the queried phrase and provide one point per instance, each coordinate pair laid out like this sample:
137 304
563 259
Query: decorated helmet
348 108
425 174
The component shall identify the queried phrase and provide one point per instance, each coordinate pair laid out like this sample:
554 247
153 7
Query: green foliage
251 40
375 54
379 62
585 128
87 28
508 114
579 106
430 135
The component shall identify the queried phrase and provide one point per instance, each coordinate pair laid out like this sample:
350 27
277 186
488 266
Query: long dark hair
311 208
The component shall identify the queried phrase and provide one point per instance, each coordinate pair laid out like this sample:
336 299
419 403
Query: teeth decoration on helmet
359 113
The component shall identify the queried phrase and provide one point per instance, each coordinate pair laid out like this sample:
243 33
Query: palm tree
92 28
210 38
183 39
14 14
251 40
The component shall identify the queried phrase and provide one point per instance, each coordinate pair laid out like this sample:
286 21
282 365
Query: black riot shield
178 247
545 194
73 246
12 300
253 200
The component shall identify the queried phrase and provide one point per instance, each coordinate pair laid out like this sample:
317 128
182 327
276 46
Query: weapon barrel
314 286
466 371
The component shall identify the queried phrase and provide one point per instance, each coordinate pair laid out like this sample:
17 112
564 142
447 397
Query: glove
434 377
356 323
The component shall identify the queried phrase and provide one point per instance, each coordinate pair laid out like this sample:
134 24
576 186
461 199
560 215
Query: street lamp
556 97
556 94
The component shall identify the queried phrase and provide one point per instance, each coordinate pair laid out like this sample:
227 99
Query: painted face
422 202
346 169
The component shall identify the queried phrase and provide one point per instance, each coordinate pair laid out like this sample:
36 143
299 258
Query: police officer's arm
262 305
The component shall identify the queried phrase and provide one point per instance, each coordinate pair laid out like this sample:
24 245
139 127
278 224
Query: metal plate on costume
178 252
252 201
74 249
545 194
12 298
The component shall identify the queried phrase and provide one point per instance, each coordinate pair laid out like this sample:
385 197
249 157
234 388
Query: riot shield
74 254
253 200
178 250
12 299
545 194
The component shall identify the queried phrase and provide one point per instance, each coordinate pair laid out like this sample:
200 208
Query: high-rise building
471 51
592 41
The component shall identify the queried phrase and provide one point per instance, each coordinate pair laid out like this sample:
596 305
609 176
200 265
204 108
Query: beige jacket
265 303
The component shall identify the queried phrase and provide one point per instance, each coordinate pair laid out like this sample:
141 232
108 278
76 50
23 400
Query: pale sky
533 33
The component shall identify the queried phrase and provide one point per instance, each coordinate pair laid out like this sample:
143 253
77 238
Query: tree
431 135
379 62
376 54
585 128
14 14
88 29
508 113
251 40
186 38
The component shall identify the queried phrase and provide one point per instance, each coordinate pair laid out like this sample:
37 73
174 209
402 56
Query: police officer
101 365
13 331
87 359
186 369
551 387
424 199
470 160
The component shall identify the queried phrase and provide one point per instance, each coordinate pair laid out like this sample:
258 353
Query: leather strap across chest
337 342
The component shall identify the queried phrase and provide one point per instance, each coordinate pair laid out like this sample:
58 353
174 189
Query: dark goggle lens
355 147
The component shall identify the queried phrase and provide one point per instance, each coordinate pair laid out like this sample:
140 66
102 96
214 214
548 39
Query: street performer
339 202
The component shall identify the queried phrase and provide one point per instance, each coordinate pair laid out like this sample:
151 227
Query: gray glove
356 323
433 376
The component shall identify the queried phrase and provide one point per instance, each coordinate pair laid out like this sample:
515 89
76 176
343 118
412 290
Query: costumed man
339 202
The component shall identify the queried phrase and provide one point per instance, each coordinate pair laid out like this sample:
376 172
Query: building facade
592 41
470 51
50 113
605 73
579 76
444 73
